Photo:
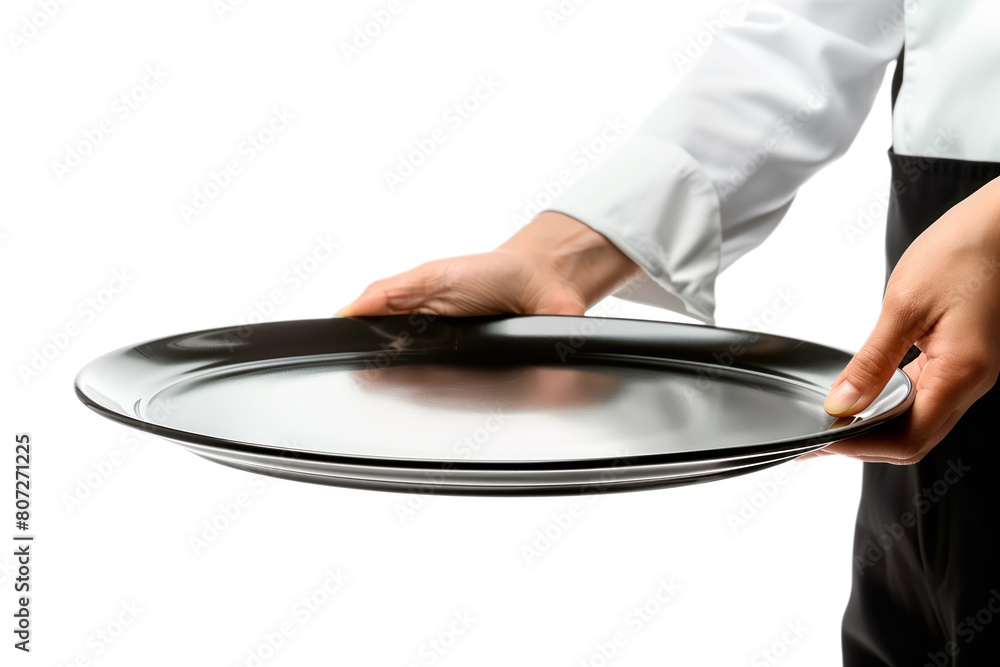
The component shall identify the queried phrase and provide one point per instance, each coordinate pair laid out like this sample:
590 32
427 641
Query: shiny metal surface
487 405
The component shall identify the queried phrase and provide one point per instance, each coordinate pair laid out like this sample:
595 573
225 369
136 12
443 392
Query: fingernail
344 312
842 399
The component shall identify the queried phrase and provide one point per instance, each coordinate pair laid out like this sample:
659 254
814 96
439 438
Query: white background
125 538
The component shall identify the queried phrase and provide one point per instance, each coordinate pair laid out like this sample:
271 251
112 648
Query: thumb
873 365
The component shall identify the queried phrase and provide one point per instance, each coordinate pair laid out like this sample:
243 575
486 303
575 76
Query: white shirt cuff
655 203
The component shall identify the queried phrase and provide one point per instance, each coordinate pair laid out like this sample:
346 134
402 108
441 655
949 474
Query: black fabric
897 75
926 564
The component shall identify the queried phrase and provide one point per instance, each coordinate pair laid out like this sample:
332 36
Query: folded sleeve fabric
707 176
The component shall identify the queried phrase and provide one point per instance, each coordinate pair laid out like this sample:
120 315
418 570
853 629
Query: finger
898 449
945 390
900 323
403 293
885 437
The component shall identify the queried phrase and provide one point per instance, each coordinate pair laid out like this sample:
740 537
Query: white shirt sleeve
710 173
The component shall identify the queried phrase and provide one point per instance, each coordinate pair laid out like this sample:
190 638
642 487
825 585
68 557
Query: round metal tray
505 404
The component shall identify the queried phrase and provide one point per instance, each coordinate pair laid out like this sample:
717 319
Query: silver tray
489 405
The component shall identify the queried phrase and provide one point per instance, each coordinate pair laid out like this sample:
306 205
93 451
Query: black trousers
926 582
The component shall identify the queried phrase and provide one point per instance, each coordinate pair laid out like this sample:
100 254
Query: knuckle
907 450
410 289
900 298
914 452
910 460
398 296
869 364
906 305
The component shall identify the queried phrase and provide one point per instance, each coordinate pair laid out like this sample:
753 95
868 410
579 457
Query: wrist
576 254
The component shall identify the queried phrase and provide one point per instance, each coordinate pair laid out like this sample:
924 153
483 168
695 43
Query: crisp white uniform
710 173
